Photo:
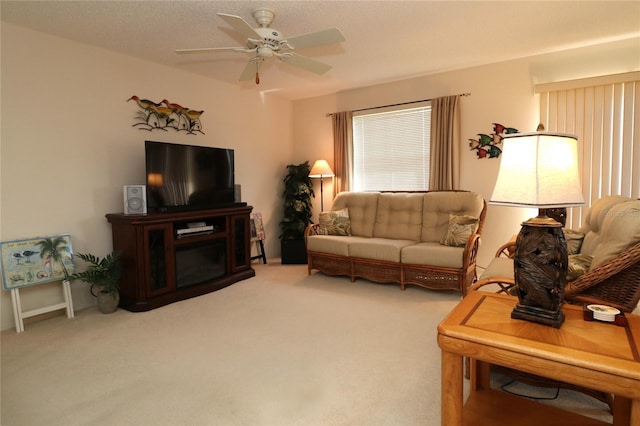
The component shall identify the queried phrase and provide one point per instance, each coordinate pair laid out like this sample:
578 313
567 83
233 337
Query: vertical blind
391 150
604 114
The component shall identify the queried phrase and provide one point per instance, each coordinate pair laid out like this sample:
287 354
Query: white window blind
604 113
391 150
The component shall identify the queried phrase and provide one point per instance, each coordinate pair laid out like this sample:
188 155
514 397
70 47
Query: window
391 150
603 113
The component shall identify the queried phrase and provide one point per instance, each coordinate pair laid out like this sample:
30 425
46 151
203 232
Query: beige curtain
342 151
445 144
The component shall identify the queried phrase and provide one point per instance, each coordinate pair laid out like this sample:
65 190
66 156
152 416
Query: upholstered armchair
604 257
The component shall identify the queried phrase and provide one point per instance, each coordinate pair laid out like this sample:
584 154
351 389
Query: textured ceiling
385 40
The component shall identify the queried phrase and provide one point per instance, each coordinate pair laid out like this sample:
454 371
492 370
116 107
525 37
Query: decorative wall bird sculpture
166 115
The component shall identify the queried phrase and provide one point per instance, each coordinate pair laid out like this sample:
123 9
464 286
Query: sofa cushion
439 204
432 254
378 248
461 226
335 223
620 230
331 244
574 240
362 210
593 221
399 216
499 267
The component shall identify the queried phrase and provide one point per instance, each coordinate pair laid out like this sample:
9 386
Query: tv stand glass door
159 263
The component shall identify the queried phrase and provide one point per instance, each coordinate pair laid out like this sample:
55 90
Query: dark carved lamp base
540 268
539 315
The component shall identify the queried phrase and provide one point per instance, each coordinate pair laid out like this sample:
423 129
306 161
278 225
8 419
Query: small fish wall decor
165 115
486 146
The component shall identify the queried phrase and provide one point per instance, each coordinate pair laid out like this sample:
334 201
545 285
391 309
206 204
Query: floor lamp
540 170
321 170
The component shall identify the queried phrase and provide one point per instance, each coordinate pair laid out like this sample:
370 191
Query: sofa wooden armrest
508 249
504 282
470 257
311 229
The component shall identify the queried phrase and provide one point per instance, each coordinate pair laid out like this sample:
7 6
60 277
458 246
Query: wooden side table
591 354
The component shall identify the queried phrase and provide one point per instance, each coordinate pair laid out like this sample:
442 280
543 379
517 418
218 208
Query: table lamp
321 170
539 169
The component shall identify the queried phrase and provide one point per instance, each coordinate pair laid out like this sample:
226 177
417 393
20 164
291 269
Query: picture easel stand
261 254
19 315
258 236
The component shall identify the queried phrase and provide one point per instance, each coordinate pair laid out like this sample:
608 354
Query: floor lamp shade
321 169
539 170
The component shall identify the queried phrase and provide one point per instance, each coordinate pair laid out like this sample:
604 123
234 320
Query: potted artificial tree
104 276
298 190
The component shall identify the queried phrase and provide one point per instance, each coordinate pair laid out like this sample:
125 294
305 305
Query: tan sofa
429 239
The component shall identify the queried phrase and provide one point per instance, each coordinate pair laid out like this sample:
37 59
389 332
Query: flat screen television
188 177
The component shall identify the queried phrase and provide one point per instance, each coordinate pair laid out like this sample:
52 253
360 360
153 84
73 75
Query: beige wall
500 93
68 145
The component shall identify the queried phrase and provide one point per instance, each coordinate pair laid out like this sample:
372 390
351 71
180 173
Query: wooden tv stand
169 257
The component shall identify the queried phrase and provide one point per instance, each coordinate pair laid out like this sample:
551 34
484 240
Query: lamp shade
321 169
538 169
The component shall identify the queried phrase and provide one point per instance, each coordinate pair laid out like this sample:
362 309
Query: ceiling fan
266 42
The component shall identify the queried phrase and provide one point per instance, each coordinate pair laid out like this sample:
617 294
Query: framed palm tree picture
36 261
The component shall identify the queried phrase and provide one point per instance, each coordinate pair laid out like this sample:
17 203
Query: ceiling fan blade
332 35
209 49
250 70
305 63
240 25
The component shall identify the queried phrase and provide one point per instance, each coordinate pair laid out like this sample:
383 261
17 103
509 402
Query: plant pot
107 303
293 252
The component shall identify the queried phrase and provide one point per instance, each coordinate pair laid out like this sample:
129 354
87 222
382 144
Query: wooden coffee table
600 356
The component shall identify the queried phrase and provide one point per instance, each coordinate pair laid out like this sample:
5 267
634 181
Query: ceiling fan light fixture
265 52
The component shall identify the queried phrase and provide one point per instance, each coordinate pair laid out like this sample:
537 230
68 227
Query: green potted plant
104 276
298 190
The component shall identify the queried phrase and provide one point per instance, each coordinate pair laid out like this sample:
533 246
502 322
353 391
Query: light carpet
282 348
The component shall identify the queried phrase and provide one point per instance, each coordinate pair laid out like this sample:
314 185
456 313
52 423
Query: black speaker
135 199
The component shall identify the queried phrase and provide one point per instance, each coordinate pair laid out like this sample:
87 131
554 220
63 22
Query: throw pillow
461 227
574 240
578 265
335 223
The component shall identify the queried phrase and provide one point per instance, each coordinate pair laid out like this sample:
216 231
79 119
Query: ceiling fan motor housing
263 16
270 43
